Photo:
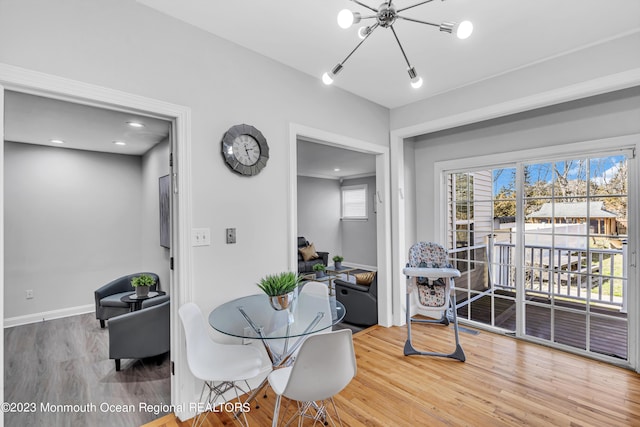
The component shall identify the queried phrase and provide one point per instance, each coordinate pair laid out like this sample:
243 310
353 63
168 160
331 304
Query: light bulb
416 82
327 78
345 18
363 32
465 28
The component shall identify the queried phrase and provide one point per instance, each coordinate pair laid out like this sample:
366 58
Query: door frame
383 221
36 83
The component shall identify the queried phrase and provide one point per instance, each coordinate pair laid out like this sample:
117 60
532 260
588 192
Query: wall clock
245 150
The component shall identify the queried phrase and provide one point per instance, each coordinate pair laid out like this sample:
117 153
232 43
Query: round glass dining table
281 331
253 317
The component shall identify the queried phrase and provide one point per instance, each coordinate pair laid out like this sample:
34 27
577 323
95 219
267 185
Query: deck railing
585 275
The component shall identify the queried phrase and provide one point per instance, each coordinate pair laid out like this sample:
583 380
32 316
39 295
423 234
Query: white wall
609 59
123 45
155 163
71 225
599 117
359 237
319 213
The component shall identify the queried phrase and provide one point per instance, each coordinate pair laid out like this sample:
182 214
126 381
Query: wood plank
504 382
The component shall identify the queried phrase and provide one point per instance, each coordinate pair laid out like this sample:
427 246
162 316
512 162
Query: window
354 202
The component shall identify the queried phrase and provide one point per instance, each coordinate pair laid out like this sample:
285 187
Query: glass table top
243 316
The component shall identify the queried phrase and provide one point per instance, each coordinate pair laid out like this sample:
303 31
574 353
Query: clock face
245 150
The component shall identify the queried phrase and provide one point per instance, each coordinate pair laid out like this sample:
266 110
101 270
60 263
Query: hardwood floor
504 382
66 361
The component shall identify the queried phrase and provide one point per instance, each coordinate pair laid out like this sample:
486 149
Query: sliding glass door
542 247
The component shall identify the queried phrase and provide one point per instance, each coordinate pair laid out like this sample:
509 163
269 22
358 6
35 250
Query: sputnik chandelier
386 15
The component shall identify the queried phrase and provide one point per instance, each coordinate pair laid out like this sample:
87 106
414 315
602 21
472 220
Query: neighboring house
601 221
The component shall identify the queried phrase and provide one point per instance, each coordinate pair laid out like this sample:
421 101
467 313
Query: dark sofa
307 266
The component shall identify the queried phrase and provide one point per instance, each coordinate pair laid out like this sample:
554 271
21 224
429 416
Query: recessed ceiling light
56 141
336 169
119 142
135 124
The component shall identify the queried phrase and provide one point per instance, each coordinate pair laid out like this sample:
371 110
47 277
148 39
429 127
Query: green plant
143 280
279 284
318 267
337 258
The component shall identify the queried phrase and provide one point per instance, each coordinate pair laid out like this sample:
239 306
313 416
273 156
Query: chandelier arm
413 5
365 6
418 21
359 44
400 44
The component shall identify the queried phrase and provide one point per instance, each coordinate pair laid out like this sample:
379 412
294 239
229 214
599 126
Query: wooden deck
607 335
504 382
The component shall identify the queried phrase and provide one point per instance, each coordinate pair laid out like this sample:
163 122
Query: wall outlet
28 294
231 235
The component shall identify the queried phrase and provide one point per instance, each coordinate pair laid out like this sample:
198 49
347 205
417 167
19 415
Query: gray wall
359 237
603 116
319 220
72 223
155 163
319 213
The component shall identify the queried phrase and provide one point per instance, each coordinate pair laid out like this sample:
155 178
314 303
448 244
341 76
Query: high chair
430 276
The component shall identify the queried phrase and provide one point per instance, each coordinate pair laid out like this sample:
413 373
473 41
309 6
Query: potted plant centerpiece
142 283
280 288
337 261
319 269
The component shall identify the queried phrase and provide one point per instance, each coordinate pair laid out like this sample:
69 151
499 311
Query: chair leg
410 350
276 411
102 324
117 364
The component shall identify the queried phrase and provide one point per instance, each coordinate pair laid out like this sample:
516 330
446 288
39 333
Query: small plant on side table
319 269
142 283
337 261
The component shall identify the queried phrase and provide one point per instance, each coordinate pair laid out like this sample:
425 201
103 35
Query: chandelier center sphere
386 15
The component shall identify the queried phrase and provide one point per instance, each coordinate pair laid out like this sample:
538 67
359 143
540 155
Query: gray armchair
142 333
107 298
360 301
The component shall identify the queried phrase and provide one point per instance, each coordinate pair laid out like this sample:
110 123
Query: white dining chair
324 366
220 366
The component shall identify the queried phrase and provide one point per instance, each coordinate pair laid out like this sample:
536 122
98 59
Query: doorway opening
313 144
25 81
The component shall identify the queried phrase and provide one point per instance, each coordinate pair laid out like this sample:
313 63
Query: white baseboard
360 266
48 315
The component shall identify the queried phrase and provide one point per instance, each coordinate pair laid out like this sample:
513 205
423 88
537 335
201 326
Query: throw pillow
365 278
308 252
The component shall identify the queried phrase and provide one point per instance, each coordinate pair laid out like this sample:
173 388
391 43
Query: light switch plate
201 237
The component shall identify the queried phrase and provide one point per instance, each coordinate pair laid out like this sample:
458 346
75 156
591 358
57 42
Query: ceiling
508 35
321 161
33 119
